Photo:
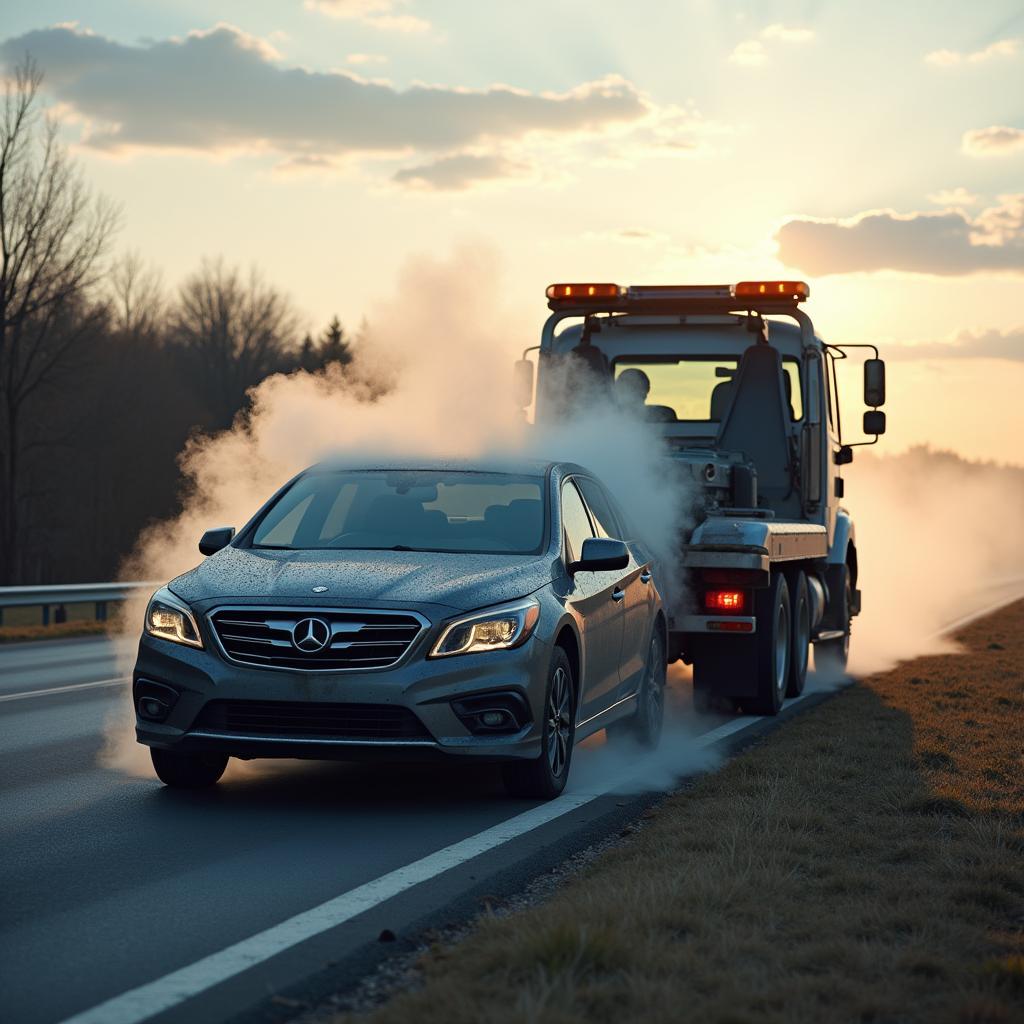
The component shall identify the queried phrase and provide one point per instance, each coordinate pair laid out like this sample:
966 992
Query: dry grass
23 634
865 863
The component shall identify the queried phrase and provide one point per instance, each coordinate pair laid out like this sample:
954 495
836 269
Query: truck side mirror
844 456
874 422
874 385
213 540
522 382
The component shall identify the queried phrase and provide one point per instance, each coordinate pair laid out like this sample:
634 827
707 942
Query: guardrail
47 597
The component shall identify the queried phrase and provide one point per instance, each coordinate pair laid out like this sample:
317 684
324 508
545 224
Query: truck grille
307 719
315 640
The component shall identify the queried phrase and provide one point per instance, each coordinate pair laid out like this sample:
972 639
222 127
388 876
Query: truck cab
744 393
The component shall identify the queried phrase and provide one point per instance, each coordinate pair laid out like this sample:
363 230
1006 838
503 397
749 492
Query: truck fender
844 538
842 553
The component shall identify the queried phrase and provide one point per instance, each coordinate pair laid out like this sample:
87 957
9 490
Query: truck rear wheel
800 634
774 642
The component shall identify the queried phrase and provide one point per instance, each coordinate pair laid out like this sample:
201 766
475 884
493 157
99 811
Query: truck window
575 522
698 389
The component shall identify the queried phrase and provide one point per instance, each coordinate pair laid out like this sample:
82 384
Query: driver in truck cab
631 390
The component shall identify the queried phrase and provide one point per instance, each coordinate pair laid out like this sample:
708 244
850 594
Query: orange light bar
582 292
724 600
798 290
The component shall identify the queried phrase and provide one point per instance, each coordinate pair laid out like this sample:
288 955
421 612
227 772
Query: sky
873 149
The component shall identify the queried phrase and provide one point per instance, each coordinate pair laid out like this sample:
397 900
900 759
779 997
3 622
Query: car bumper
424 687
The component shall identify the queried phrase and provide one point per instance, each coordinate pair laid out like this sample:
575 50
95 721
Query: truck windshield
696 389
407 510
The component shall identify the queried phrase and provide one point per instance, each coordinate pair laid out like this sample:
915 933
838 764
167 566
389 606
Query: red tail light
725 602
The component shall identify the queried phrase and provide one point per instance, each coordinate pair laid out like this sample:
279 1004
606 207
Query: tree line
104 374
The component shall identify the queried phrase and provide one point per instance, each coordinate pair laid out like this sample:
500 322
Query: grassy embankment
864 863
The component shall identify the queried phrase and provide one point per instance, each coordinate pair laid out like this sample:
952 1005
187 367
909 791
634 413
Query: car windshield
407 510
693 389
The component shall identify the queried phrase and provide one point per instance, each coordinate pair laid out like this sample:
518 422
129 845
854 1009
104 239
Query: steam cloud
434 380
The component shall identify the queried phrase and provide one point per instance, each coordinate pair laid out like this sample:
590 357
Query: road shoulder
863 863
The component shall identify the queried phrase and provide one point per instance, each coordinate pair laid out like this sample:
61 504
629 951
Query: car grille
314 720
357 639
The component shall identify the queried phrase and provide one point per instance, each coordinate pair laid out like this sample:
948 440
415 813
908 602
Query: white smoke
433 379
938 537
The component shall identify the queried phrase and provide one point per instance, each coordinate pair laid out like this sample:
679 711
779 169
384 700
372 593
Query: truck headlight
169 618
495 629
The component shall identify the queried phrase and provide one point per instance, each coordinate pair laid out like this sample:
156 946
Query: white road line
175 988
988 609
63 689
140 1004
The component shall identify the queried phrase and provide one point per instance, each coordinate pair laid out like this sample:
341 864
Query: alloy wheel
559 722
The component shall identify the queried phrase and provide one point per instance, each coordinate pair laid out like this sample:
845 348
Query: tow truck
745 395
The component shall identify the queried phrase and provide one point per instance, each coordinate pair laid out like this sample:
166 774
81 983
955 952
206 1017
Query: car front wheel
544 777
187 771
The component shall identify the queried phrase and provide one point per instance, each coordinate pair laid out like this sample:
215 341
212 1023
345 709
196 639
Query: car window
417 510
575 521
605 520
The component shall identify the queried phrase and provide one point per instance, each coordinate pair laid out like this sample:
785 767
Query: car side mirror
600 554
874 422
214 540
522 382
874 384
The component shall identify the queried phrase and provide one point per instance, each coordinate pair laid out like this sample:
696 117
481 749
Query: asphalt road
109 882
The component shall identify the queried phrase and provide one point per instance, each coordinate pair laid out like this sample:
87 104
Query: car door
634 581
598 601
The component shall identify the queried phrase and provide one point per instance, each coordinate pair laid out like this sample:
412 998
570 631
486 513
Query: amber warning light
798 290
577 292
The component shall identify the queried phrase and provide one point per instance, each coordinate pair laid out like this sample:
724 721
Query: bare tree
137 299
53 232
234 330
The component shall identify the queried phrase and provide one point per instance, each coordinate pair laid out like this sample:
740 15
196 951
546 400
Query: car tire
187 771
773 645
831 656
800 634
544 777
645 725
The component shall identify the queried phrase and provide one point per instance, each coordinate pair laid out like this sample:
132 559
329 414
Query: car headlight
169 618
495 629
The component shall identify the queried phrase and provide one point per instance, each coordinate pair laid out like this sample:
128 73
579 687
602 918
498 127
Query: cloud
788 34
944 242
998 140
752 53
221 90
461 171
958 196
386 15
366 58
749 54
990 344
956 58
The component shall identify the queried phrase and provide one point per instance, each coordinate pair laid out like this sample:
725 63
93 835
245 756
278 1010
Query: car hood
376 578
